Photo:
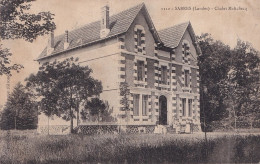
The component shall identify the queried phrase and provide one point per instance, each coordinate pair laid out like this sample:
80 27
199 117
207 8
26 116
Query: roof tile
171 36
119 23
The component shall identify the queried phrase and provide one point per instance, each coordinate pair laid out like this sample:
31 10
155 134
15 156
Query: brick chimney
104 22
66 40
50 46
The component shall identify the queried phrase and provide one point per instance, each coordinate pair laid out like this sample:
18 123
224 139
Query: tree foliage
231 77
96 106
5 62
243 80
125 93
18 22
125 101
20 111
62 86
213 65
97 110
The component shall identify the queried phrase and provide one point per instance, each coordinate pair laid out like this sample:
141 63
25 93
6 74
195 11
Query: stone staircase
171 130
163 129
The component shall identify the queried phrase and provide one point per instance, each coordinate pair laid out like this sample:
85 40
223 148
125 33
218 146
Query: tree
213 66
20 111
231 77
62 87
106 116
5 62
243 82
125 102
17 22
96 107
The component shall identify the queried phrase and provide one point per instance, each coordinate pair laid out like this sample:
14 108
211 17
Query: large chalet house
160 67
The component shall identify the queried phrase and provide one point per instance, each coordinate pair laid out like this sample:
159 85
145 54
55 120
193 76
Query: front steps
183 129
163 129
160 129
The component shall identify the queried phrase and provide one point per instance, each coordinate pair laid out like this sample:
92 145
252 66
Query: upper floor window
164 74
139 37
186 75
186 49
140 70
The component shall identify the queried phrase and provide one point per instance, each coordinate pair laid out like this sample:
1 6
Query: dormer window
186 49
139 37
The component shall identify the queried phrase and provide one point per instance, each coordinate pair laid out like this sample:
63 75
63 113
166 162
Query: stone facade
163 80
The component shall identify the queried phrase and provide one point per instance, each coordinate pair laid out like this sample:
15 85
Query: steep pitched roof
119 23
172 36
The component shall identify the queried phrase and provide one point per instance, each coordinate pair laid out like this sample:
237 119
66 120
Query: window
164 74
136 105
140 70
186 75
145 105
190 107
183 107
139 35
186 48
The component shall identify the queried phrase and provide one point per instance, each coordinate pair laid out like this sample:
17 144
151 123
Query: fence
231 125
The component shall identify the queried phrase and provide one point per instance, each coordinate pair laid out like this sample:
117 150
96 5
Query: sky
214 17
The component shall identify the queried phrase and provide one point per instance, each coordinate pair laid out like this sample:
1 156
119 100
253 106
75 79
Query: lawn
29 147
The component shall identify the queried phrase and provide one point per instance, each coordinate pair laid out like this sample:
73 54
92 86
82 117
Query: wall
179 77
129 66
150 73
149 40
178 50
194 85
163 55
103 59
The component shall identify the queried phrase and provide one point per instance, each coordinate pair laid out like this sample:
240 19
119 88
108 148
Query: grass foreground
30 147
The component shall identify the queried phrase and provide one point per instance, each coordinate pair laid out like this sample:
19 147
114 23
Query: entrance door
162 110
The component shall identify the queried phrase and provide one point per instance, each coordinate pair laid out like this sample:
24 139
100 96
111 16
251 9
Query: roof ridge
82 26
184 32
171 36
88 28
187 22
141 6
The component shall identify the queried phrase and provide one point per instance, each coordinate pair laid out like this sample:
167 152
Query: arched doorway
162 110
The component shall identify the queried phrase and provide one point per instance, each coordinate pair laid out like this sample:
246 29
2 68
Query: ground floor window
140 105
145 105
190 107
184 107
136 105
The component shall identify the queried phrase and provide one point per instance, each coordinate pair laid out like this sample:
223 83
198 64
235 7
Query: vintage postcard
139 81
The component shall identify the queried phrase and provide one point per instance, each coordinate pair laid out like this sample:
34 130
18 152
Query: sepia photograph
140 81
